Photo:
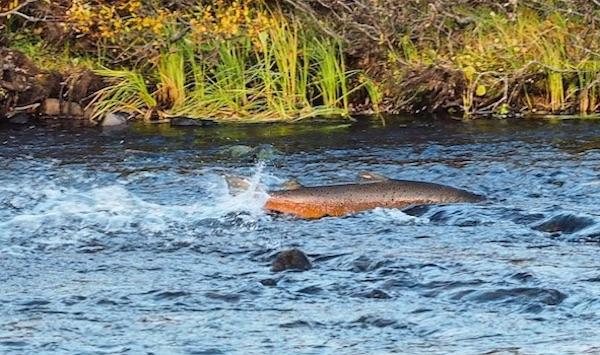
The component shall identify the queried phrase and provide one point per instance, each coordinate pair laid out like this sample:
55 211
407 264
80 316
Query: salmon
372 192
339 200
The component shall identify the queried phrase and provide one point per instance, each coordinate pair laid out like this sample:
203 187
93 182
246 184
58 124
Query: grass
374 92
171 79
129 93
50 58
247 60
534 44
331 75
540 60
285 74
589 81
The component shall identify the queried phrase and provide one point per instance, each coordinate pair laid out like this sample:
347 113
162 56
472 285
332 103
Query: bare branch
17 11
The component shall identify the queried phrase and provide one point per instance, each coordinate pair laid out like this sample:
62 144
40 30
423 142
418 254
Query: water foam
396 216
54 214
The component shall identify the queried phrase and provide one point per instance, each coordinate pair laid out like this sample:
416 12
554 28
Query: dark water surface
128 242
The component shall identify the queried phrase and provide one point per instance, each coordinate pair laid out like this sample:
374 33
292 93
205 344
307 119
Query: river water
127 241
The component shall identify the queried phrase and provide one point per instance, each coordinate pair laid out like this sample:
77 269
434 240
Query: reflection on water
128 241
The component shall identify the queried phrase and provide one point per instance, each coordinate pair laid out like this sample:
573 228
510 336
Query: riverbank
249 61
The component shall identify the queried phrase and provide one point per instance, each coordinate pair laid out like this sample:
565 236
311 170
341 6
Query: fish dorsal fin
367 177
292 184
237 184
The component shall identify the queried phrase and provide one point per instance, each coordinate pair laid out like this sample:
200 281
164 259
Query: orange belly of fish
317 210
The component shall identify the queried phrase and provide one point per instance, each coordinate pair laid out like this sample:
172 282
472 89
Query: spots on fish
339 200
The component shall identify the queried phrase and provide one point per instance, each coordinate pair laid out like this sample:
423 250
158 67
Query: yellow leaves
114 22
138 21
130 6
154 24
121 21
13 4
481 90
229 19
81 16
469 73
10 6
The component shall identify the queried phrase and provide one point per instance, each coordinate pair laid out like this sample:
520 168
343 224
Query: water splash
250 200
60 215
118 244
395 216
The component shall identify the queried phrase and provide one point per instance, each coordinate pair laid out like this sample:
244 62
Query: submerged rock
379 294
19 118
113 119
262 152
268 282
520 295
265 152
373 320
237 151
192 122
293 259
564 223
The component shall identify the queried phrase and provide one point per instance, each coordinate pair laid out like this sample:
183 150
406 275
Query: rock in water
293 259
265 152
191 122
237 151
565 223
55 107
51 107
113 119
269 282
379 294
19 118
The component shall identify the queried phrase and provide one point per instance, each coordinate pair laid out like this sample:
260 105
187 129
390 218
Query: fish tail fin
237 184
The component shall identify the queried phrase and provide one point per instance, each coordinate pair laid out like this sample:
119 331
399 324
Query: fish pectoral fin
367 176
292 184
236 184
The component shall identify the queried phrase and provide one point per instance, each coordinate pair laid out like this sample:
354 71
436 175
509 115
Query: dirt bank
26 88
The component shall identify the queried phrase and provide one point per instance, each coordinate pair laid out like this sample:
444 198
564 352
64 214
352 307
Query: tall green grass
589 83
128 93
532 45
171 78
374 93
331 75
287 73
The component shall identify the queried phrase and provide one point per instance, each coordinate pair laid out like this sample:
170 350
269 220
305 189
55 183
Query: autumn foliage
466 57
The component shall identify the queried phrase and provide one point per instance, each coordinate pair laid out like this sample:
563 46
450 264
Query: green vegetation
287 75
487 58
249 60
500 56
127 92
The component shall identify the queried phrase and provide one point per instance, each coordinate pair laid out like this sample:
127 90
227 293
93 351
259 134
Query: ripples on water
127 241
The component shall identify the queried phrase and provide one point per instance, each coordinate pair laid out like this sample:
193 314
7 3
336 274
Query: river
127 240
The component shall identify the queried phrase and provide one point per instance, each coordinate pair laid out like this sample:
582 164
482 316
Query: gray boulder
113 119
